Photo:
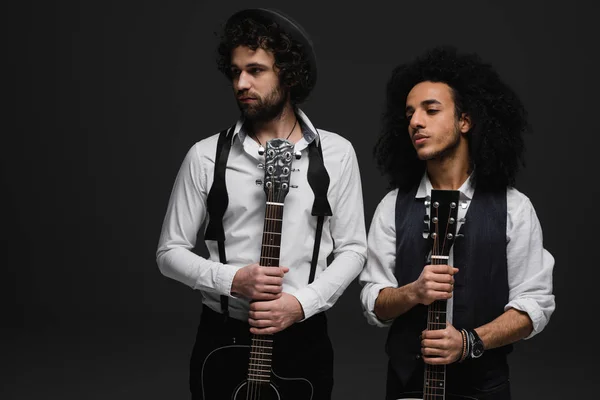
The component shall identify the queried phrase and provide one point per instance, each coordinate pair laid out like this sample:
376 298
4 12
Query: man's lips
419 138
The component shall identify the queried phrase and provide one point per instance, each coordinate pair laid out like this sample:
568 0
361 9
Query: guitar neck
435 375
261 349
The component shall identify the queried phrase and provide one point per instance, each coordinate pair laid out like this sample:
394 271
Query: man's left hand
442 346
268 317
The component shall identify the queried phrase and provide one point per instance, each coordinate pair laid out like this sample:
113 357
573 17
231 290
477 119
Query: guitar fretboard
269 255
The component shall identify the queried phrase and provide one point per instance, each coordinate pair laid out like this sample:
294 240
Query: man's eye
255 71
235 72
433 111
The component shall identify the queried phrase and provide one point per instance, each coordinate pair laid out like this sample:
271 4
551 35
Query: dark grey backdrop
108 96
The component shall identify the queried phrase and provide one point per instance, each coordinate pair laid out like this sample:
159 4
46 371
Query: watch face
477 349
477 346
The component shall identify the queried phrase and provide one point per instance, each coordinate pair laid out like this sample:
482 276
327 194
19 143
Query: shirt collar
466 189
309 132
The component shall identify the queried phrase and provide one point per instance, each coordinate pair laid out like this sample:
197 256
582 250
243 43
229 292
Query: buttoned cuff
309 300
224 279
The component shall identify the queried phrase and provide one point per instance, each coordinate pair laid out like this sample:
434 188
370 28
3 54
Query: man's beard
265 109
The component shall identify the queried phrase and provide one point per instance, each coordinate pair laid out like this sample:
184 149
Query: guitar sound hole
256 391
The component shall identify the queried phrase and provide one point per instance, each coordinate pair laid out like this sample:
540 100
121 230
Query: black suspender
218 200
318 179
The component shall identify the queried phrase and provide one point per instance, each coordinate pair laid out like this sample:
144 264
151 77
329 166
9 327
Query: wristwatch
476 344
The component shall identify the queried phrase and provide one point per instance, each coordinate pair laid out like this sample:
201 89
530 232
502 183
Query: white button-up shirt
529 265
344 233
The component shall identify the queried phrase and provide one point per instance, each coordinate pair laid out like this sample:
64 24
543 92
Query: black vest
218 199
480 288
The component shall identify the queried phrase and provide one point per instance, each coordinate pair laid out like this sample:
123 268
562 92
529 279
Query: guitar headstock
278 166
443 219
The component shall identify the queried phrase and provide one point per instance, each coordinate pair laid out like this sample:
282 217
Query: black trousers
303 350
458 386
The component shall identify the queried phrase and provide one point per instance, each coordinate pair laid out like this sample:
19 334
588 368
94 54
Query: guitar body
224 376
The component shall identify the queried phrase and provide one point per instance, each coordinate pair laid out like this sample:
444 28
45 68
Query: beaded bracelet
465 342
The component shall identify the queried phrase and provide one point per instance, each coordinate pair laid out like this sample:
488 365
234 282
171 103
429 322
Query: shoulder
388 203
517 202
334 141
205 148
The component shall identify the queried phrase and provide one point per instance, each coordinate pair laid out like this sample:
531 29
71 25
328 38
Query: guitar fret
260 363
252 379
272 203
259 372
261 347
273 219
272 233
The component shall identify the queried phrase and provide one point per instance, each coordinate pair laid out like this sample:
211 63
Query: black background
104 100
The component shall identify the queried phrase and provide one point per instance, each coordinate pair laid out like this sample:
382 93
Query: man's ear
464 123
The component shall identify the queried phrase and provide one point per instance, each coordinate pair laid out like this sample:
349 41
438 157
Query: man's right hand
256 282
436 282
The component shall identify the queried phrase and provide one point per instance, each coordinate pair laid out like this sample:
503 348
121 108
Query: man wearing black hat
276 197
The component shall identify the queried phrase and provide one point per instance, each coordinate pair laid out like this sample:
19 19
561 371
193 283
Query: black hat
289 26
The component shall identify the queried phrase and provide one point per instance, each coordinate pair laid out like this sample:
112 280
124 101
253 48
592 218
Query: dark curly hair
498 119
290 57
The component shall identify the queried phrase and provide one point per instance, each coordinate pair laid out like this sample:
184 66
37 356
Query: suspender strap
318 179
217 202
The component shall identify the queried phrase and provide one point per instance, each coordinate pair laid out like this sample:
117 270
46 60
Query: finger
433 334
273 271
439 268
432 352
272 280
284 269
271 289
439 286
436 360
261 306
260 323
263 296
264 331
433 344
258 315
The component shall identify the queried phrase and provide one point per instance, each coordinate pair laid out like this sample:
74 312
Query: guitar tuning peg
426 219
261 150
459 235
294 186
297 154
462 220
